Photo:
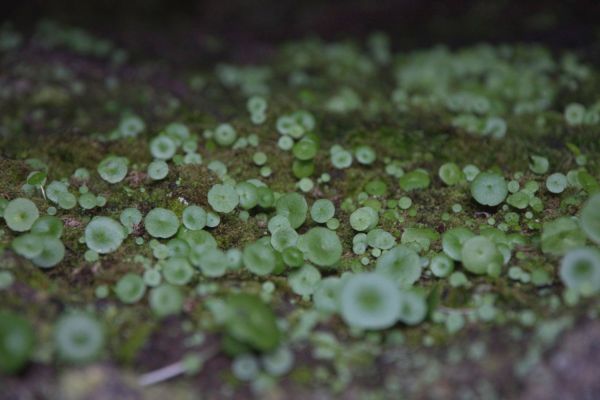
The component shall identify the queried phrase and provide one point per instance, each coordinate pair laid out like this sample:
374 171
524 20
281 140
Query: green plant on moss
590 218
165 300
161 223
104 235
259 258
78 337
580 270
113 169
401 264
489 189
223 198
250 321
480 255
406 236
20 214
17 340
370 301
293 206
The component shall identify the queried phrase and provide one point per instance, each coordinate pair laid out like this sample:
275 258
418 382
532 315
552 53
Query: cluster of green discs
280 228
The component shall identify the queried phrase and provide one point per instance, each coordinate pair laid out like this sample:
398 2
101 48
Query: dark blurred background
412 23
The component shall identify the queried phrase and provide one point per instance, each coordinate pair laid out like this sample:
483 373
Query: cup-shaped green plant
158 170
303 169
256 105
401 265
322 211
304 281
104 235
54 189
292 256
327 295
278 362
178 131
471 171
370 301
199 242
259 158
78 337
574 114
17 341
305 149
82 174
305 185
561 235
453 241
225 135
87 201
556 183
130 218
277 222
365 155
495 127
451 174
20 214
252 322
165 300
479 255
293 206
152 277
341 159
590 218
489 189
213 262
441 265
285 143
283 238
519 200
413 307
321 246
380 239
245 367
580 270
48 225
113 169
364 219
266 199
28 245
194 217
223 198
53 252
178 247
212 219
234 259
130 288
376 187
162 147
259 258
67 200
413 180
538 164
131 126
161 223
177 271
248 194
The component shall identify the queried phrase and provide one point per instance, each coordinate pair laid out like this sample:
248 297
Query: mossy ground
57 103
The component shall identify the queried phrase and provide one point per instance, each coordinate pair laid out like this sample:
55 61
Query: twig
162 374
172 370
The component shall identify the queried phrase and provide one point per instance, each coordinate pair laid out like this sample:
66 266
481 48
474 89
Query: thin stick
172 370
162 374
